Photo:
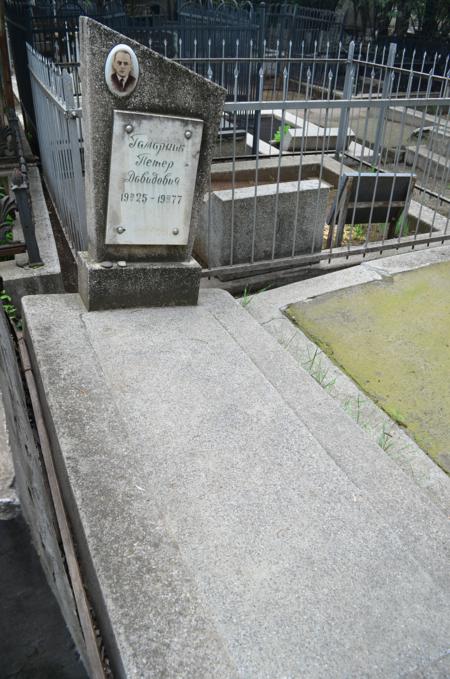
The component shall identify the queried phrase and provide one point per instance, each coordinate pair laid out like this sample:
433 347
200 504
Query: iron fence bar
337 103
284 263
60 139
341 141
74 111
20 188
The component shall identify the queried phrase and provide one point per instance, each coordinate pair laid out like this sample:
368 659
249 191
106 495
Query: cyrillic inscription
152 178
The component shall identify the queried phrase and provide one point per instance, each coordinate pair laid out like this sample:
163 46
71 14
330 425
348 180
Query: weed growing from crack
247 297
385 439
316 369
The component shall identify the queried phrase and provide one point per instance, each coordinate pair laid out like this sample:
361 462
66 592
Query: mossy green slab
392 337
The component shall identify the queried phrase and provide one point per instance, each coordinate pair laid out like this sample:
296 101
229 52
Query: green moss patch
392 338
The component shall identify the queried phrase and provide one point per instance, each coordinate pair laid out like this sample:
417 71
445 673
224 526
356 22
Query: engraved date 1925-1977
163 198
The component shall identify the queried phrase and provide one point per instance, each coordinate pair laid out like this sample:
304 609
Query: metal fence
199 30
58 124
333 157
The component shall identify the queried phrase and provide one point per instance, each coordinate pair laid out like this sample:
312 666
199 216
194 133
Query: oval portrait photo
121 70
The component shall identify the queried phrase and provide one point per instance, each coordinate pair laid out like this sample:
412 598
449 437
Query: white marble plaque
152 177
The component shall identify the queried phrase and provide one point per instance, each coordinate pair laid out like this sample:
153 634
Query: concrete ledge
31 481
137 284
22 280
267 308
231 520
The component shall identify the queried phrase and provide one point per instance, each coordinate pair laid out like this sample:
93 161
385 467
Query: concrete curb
267 308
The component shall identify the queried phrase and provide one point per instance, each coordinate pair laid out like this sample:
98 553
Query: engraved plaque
152 178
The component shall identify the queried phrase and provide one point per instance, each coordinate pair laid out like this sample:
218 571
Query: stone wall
31 481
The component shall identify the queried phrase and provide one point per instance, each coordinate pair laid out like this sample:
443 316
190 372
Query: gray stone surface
227 221
32 485
163 87
22 280
137 284
232 521
267 307
9 504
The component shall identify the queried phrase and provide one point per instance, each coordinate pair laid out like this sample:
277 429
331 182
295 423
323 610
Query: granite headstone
149 128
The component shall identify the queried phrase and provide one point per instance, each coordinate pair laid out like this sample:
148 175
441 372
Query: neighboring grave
289 219
149 130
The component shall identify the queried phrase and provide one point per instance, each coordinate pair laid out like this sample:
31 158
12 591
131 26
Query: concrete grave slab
231 520
229 230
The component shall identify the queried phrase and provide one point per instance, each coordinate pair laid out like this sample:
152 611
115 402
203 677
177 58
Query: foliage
402 226
277 136
427 18
6 217
9 308
247 297
359 232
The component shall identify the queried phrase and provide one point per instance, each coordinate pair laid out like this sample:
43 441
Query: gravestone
149 131
290 217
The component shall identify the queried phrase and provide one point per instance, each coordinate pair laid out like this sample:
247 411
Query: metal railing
58 123
21 203
275 210
333 157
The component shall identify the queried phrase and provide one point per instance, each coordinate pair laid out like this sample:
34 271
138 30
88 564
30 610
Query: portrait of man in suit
121 70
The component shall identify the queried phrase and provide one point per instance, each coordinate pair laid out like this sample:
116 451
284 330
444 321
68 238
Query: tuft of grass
385 439
246 298
316 369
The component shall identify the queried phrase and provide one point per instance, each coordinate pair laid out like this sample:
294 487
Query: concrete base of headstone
231 520
143 284
234 210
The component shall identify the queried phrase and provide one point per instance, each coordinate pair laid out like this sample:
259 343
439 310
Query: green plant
246 298
353 407
277 136
7 216
317 371
358 231
401 226
9 308
385 439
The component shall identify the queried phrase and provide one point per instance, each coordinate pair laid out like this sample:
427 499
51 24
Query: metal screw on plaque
122 263
106 265
175 232
120 229
129 128
188 134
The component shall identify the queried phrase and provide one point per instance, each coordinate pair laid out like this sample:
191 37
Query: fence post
20 189
262 28
341 141
385 93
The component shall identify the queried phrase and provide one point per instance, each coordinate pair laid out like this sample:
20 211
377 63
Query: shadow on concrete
34 641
